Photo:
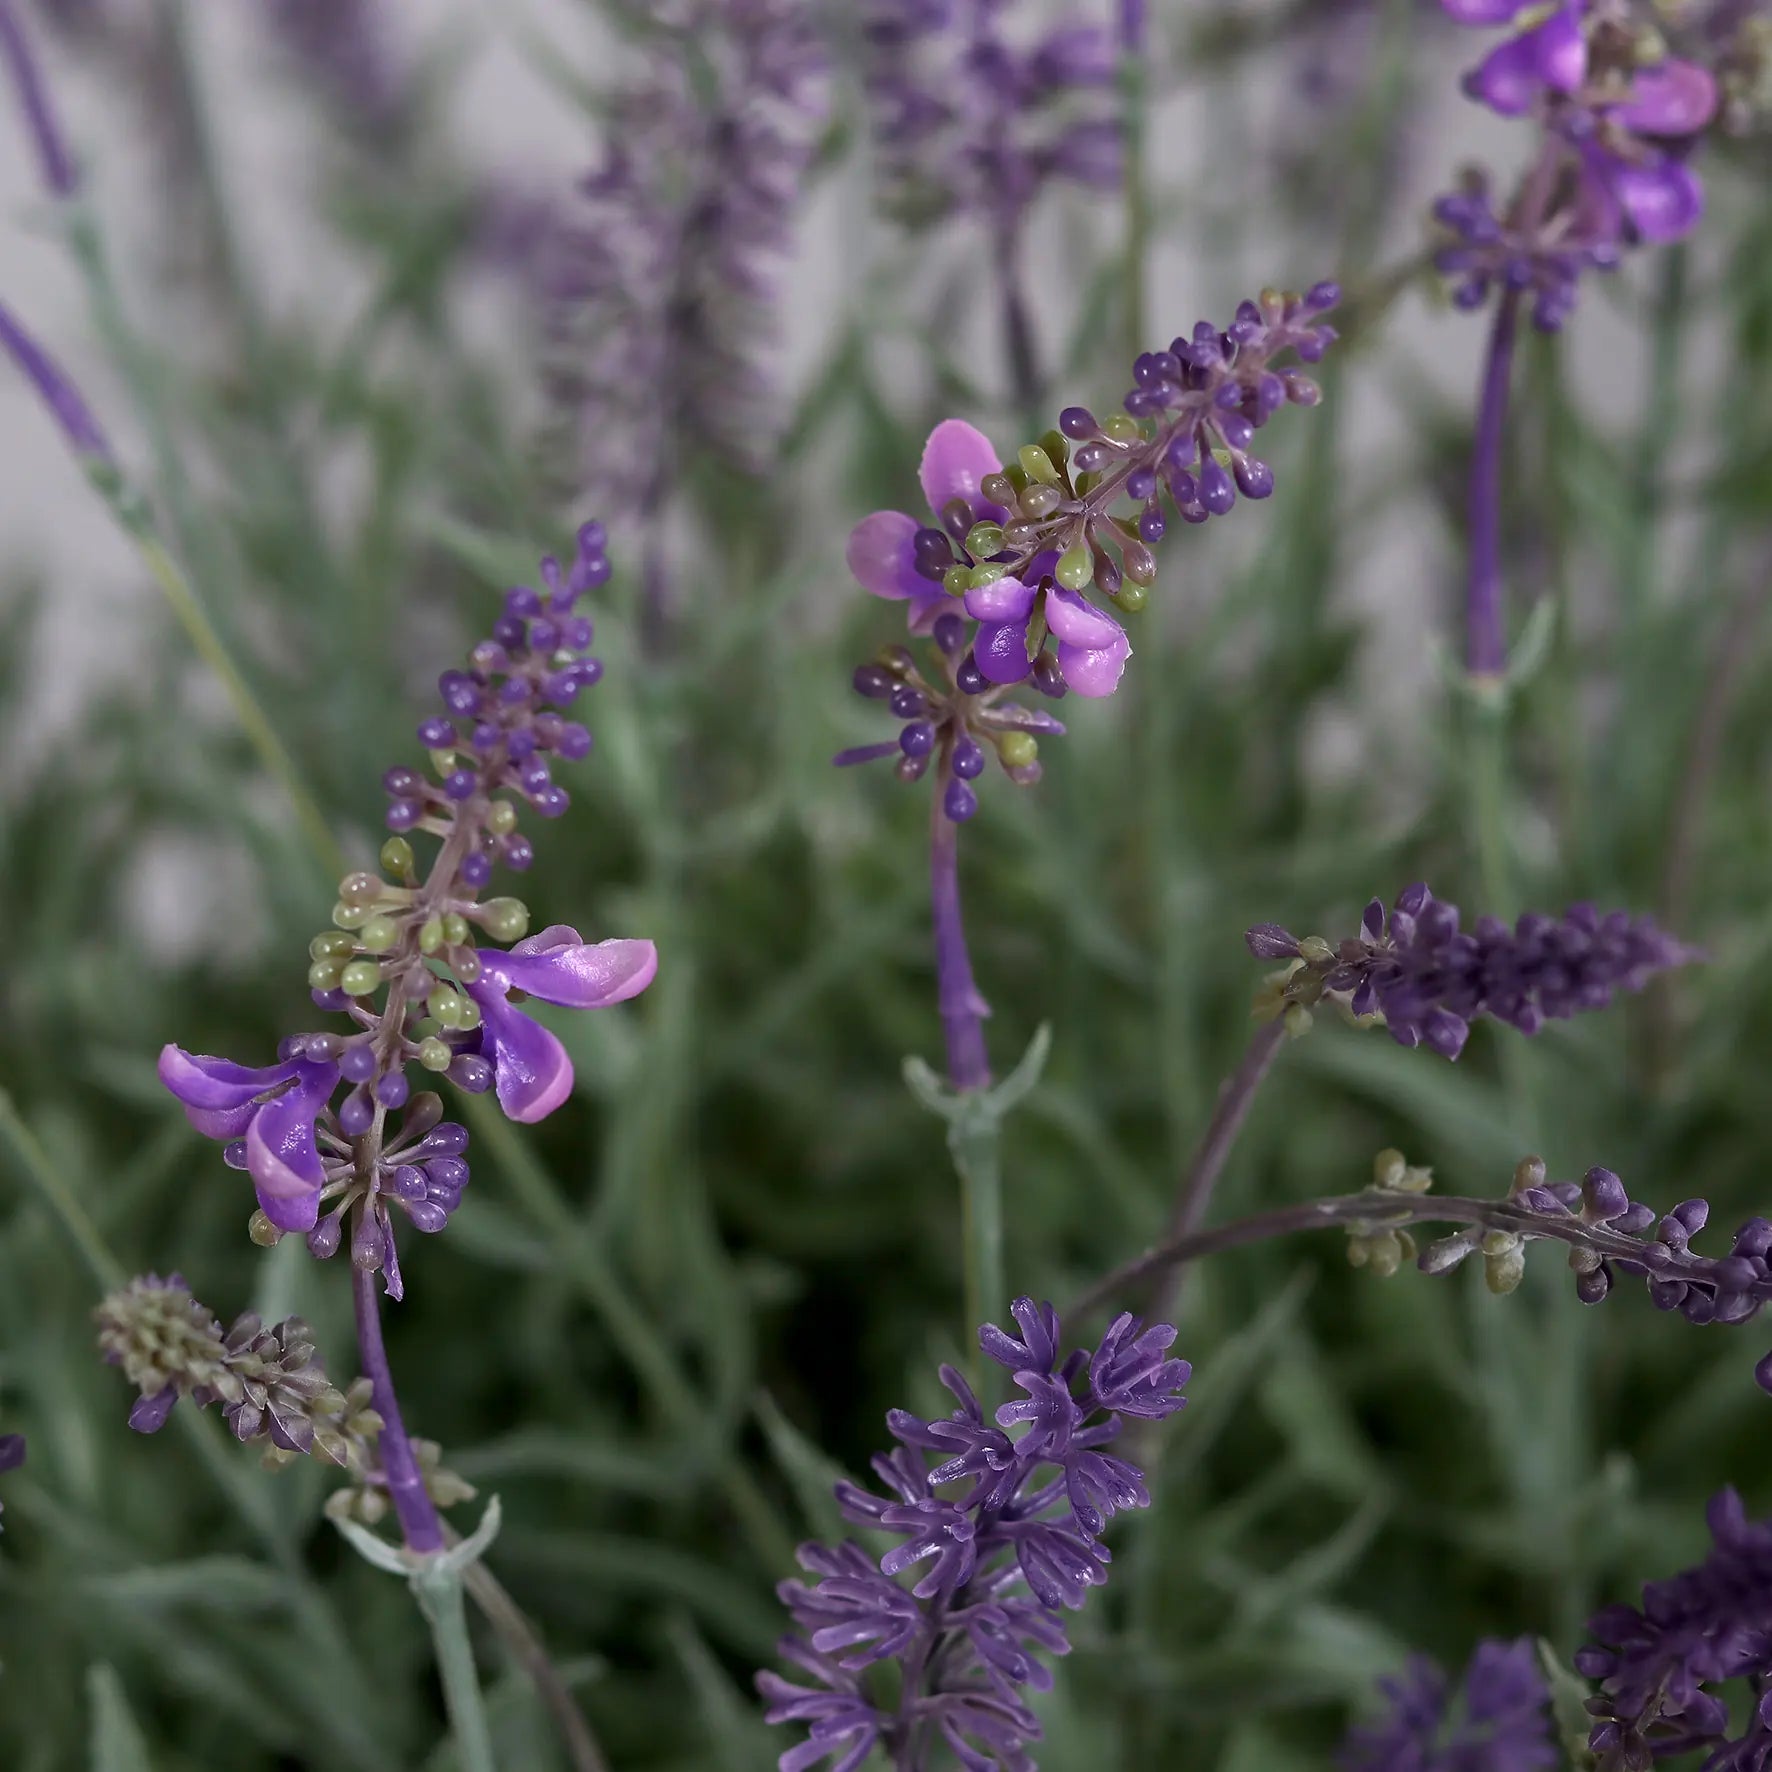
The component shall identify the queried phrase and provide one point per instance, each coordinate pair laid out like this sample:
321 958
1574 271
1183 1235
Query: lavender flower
965 121
659 293
342 46
1619 116
53 159
1012 550
1696 1630
448 1007
1503 1724
994 1566
1430 980
63 399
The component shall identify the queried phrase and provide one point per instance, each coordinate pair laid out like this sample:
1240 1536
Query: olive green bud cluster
366 1499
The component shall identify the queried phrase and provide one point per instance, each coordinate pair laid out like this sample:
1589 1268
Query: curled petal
881 557
1559 46
1075 620
1664 200
1000 651
1005 601
1507 79
1094 672
531 1071
956 460
1673 98
558 967
281 1156
217 1094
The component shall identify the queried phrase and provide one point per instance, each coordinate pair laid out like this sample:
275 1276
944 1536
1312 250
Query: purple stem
962 1009
58 393
1485 627
33 96
1134 20
419 1524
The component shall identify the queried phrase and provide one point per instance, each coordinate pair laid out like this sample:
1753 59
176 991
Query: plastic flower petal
531 1071
956 460
1000 647
880 555
1092 646
219 1097
281 1155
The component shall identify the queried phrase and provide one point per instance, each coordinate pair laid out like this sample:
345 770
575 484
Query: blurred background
376 305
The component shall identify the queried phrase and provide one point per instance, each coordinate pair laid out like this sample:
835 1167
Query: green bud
397 856
1503 1271
1131 597
434 1055
468 967
983 540
998 488
1037 464
350 916
324 975
263 1232
1018 749
1076 567
359 888
1297 1020
1388 1168
1057 446
447 1006
430 936
1315 950
501 818
1018 477
1528 1172
957 580
455 928
470 1015
986 572
1040 501
442 762
379 934
359 978
1122 427
505 919
331 944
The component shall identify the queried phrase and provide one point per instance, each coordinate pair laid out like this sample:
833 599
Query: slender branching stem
419 1524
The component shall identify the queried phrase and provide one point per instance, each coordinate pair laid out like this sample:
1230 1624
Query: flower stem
419 1524
440 1600
1485 622
962 1009
1235 1097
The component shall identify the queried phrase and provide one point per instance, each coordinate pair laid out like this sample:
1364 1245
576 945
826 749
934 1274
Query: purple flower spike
58 393
997 1563
53 159
533 1073
1504 1723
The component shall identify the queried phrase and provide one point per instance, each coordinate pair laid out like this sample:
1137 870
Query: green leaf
117 1743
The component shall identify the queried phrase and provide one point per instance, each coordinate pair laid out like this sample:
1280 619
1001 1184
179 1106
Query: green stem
51 1186
975 1144
439 1594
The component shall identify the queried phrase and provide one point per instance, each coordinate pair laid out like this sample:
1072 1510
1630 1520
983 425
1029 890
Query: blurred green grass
664 1316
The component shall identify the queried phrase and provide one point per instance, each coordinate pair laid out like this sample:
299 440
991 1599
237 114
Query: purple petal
881 558
1073 618
1664 200
558 967
1006 600
281 1156
1094 672
865 753
956 460
1559 46
1480 12
1675 98
217 1094
1508 79
1000 649
532 1073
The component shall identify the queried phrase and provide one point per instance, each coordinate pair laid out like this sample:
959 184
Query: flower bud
505 919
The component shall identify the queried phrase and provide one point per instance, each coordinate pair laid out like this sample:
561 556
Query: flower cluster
1698 1629
657 293
1502 1725
967 121
1018 1542
1619 116
1429 979
403 961
1002 566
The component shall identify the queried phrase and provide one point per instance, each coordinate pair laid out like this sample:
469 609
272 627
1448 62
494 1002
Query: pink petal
1674 98
956 460
1073 618
281 1156
532 1073
1094 672
1000 650
1006 600
559 968
880 556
